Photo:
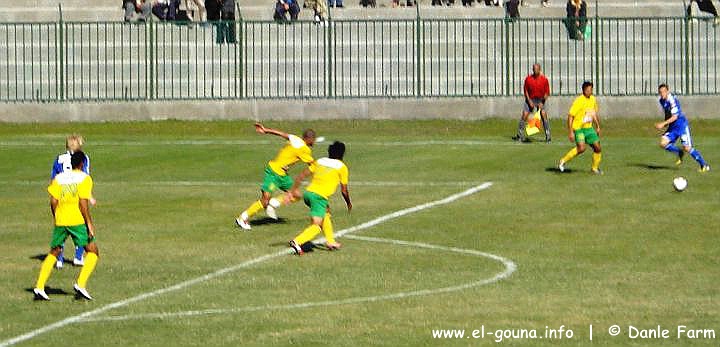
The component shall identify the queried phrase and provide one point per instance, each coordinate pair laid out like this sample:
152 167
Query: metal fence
109 61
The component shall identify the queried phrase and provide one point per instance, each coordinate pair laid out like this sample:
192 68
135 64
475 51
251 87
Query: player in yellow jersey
276 172
70 193
326 173
583 114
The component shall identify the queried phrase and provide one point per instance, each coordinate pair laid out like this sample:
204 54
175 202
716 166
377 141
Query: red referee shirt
536 87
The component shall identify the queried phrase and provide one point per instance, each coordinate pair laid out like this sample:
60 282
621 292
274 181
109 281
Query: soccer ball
680 183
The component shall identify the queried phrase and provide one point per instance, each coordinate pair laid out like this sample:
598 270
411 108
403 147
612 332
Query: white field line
21 143
79 318
252 184
510 268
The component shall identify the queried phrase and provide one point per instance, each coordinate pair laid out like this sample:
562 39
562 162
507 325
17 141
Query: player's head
663 91
537 70
74 143
77 160
336 150
587 88
309 137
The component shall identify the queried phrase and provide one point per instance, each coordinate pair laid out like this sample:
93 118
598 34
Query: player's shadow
557 171
307 247
268 220
41 258
651 167
51 291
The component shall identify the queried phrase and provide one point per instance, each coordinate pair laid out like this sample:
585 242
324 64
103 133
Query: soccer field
467 229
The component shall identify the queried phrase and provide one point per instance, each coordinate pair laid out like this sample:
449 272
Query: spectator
447 2
467 3
543 3
196 6
142 7
222 14
576 20
339 3
320 8
282 7
368 3
492 2
166 9
705 6
512 9
537 91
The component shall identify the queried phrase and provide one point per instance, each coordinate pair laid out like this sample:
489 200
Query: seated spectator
705 6
321 10
491 2
368 3
193 6
576 20
338 3
166 9
142 7
282 7
512 10
543 3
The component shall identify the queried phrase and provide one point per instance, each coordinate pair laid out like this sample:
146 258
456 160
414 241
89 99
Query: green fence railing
398 58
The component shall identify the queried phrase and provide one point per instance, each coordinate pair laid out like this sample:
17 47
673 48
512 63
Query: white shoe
40 294
561 166
59 264
82 292
78 262
242 223
270 210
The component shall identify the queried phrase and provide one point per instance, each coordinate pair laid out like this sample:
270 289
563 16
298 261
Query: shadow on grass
268 220
41 258
557 171
652 167
51 291
307 247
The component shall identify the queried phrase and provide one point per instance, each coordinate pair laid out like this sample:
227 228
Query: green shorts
587 135
318 205
273 181
78 233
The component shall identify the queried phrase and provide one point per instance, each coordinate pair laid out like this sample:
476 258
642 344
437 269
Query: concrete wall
428 108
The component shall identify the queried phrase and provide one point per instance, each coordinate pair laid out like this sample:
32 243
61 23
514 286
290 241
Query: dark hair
77 160
336 150
586 84
308 134
663 85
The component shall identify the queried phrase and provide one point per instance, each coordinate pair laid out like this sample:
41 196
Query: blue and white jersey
62 164
671 106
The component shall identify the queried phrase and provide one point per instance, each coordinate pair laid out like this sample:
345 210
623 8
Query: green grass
622 248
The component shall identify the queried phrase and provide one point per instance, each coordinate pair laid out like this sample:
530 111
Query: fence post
418 50
507 46
598 54
329 54
240 48
150 56
59 36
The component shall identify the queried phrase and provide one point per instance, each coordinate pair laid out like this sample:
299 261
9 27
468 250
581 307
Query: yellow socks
252 210
570 155
87 269
327 229
597 157
45 271
306 235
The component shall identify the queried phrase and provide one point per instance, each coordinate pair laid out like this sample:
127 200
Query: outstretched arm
263 130
346 196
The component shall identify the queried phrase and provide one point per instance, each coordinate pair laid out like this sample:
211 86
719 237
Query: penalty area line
219 273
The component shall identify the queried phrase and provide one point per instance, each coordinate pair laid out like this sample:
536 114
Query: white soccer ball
680 183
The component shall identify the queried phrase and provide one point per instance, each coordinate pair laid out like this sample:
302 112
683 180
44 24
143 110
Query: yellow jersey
68 188
582 110
294 150
327 174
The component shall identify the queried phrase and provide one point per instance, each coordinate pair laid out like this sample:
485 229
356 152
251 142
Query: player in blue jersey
73 143
678 127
